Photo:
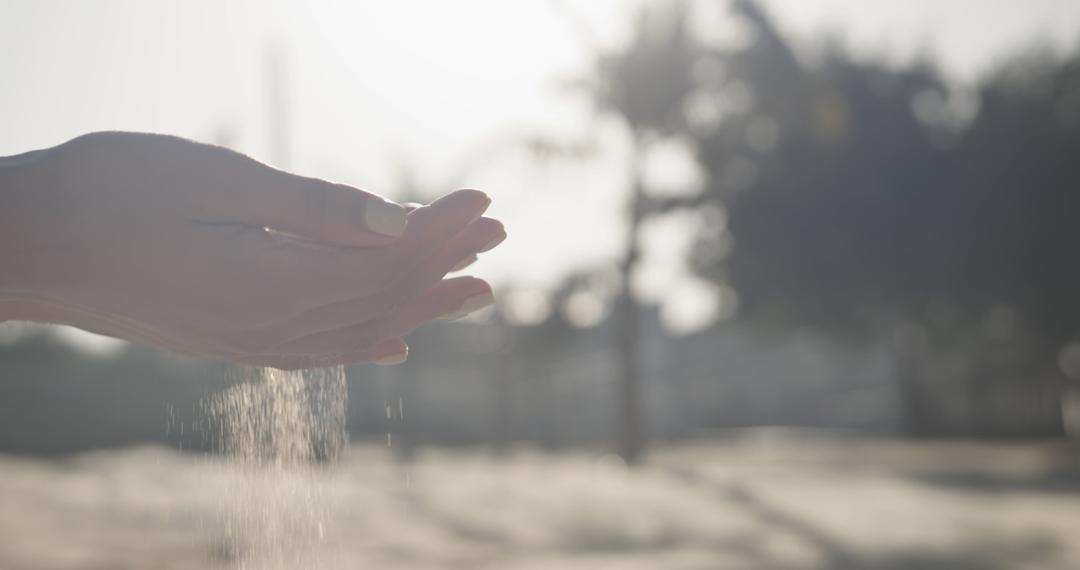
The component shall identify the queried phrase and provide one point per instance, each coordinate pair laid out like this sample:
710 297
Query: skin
205 252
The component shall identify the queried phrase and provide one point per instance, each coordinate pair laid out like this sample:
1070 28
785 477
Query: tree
863 201
644 87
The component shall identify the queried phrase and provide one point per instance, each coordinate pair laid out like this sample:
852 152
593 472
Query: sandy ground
771 500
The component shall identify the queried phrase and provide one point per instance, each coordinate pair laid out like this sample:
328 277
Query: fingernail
463 263
386 218
491 244
472 304
485 202
392 359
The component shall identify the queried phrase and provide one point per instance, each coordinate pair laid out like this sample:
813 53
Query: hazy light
584 309
703 112
692 306
712 25
669 168
481 316
965 36
11 332
426 82
954 110
525 306
666 241
687 303
87 342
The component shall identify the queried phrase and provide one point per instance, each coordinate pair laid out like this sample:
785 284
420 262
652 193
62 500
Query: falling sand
278 428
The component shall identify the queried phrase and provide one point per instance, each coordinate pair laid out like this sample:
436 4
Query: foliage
860 196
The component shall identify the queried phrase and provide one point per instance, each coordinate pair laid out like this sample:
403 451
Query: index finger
314 209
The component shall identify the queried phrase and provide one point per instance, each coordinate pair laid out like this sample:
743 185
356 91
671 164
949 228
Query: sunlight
439 76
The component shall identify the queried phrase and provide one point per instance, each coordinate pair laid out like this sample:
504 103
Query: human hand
163 241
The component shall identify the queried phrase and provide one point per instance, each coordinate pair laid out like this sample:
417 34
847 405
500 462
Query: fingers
386 353
328 275
451 298
354 304
314 209
464 263
443 218
357 312
479 236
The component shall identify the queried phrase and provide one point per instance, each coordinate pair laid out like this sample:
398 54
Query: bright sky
421 84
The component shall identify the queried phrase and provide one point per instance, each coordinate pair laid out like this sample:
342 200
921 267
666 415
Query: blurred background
789 284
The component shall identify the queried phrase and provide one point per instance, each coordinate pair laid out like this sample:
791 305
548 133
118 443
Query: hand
206 252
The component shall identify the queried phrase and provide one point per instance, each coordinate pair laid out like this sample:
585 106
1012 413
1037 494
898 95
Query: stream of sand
279 429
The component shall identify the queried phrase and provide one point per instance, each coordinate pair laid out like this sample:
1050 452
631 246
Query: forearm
11 310
18 226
